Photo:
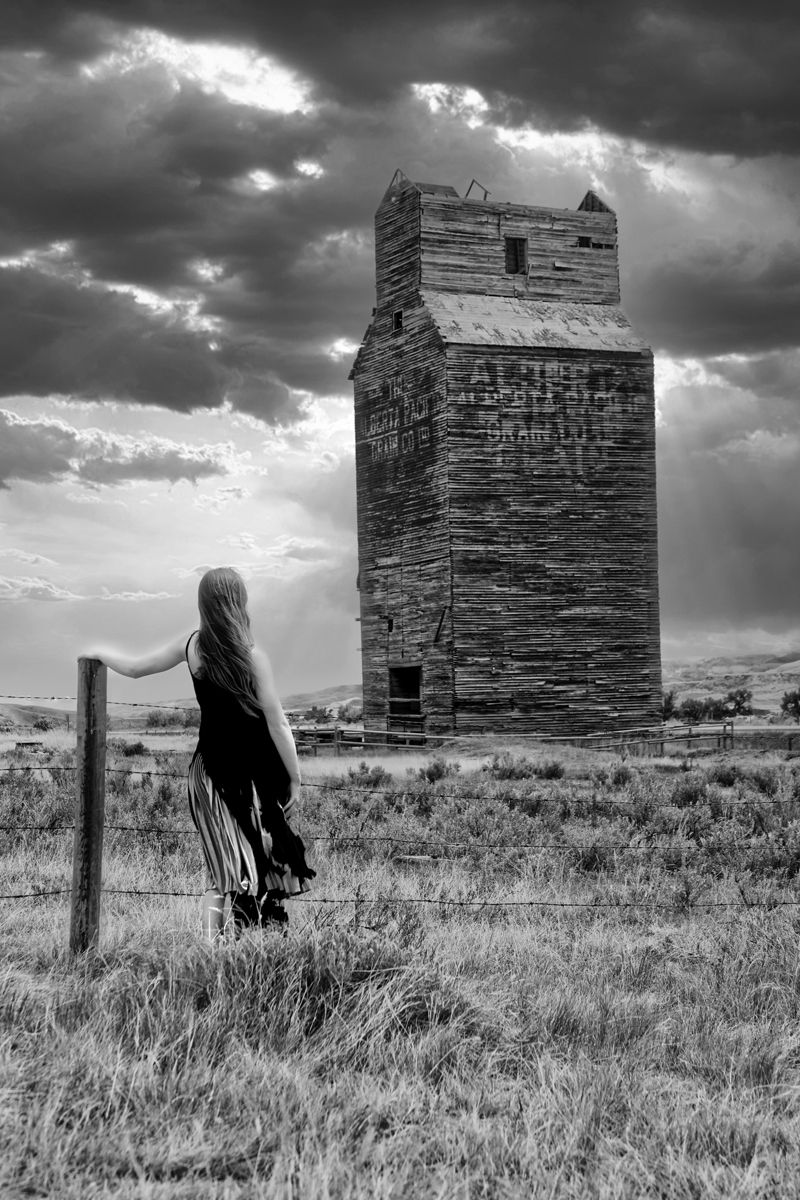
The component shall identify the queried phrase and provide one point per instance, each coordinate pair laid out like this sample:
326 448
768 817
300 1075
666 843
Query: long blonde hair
224 642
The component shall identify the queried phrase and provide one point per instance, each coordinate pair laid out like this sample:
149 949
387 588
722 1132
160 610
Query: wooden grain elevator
505 459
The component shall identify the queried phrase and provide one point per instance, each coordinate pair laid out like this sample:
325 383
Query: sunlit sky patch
262 181
463 102
312 169
239 73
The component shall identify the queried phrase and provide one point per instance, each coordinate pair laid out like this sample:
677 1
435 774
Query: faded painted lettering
398 429
384 448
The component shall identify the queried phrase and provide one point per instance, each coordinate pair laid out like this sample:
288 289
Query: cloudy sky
186 208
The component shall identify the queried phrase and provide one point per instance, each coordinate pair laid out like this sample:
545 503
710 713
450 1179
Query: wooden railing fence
645 740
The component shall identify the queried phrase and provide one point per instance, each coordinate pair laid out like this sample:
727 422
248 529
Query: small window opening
405 691
516 255
590 244
397 321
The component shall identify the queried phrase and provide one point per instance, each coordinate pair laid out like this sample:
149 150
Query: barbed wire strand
36 895
172 706
594 905
350 839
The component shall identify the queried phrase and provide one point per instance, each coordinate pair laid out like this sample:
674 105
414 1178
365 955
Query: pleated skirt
230 862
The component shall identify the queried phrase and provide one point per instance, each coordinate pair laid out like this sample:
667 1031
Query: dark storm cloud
140 175
775 375
146 184
59 338
147 181
723 299
691 73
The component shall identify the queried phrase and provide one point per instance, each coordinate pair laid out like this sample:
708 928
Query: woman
244 779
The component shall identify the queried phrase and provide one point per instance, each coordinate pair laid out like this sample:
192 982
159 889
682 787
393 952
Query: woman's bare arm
147 664
277 724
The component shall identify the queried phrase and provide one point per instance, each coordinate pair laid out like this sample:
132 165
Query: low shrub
622 775
724 773
511 766
164 718
527 803
365 776
133 749
551 768
764 779
438 768
643 806
690 790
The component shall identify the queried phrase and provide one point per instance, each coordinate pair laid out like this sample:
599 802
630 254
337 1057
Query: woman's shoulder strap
188 644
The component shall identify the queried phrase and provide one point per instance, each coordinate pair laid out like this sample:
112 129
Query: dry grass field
598 998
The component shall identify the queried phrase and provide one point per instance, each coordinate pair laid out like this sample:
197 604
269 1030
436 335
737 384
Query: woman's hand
293 798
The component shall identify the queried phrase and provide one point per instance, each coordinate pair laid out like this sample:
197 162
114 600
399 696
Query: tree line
189 718
737 703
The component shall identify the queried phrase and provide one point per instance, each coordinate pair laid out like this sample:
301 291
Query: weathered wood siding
505 457
397 246
403 544
443 243
554 543
462 244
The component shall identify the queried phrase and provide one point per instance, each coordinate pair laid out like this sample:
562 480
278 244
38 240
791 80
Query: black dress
237 786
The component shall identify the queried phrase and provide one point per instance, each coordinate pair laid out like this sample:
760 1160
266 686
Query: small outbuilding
505 458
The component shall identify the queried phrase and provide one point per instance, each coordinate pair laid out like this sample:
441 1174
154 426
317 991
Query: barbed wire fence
353 840
407 794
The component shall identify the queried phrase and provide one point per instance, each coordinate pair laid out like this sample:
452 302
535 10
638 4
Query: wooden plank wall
404 555
463 250
511 489
553 527
397 246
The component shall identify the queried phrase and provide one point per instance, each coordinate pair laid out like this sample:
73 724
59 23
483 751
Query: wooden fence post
336 741
90 774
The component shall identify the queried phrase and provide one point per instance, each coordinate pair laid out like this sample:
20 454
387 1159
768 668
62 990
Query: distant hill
26 714
344 693
767 676
325 698
134 715
730 665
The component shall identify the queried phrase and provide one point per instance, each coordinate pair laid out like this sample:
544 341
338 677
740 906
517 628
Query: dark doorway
405 697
